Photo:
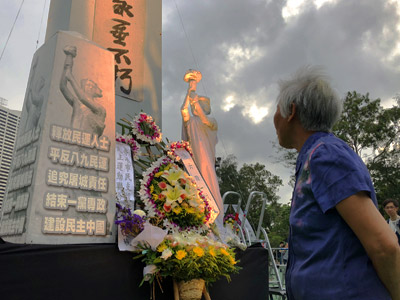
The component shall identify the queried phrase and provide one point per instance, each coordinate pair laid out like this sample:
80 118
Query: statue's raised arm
70 52
87 113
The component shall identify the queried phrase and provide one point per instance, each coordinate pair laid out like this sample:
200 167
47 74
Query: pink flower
167 208
162 185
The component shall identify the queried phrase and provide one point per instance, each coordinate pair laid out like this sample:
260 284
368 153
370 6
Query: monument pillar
71 15
101 61
61 187
131 30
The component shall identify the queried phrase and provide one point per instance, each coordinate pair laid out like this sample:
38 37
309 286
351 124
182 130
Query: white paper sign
124 176
201 184
124 185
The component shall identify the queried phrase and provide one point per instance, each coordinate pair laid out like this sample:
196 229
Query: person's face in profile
281 127
92 89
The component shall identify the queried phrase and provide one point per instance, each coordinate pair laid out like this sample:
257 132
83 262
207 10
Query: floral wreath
178 145
145 129
170 194
232 218
129 140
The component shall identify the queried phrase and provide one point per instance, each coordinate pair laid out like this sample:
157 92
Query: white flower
139 212
135 128
166 254
148 271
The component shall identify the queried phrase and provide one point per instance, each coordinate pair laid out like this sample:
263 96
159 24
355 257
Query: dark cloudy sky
242 48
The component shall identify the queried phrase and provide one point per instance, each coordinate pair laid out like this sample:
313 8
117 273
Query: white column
71 15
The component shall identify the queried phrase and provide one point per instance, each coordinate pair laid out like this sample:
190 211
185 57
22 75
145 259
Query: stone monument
61 185
105 64
131 30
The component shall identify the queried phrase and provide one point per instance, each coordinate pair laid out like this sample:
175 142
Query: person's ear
292 113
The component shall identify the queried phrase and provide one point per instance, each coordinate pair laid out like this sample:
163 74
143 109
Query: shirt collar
307 145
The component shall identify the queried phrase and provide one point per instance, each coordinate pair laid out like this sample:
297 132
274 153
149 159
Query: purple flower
130 224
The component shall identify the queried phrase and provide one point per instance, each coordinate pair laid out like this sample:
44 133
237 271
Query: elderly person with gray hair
340 245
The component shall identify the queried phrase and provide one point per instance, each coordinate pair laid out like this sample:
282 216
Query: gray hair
317 105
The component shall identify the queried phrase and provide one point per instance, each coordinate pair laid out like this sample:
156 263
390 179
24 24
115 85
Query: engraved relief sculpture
34 99
87 113
201 131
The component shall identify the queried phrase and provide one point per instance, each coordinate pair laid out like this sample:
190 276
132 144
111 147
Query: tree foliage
255 177
373 133
277 216
250 177
286 157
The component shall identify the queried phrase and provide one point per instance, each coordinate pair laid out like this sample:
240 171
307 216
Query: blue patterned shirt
326 259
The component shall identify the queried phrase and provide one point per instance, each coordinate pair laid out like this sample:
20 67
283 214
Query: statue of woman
201 131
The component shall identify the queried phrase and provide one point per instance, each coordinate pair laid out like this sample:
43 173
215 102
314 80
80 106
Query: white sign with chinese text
194 172
124 176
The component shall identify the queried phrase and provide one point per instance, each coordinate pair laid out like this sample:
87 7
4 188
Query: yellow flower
224 252
180 254
191 190
211 250
177 210
190 210
232 260
158 174
173 175
198 251
151 189
155 197
161 247
172 194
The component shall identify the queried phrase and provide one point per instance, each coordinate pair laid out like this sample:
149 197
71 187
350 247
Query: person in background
285 254
280 252
391 207
340 245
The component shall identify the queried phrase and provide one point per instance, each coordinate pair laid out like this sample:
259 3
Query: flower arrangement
145 129
178 145
231 220
186 256
171 196
129 140
172 234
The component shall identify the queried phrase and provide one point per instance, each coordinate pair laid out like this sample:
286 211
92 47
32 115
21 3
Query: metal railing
276 281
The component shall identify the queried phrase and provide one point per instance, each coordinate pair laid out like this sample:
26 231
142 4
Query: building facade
9 122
